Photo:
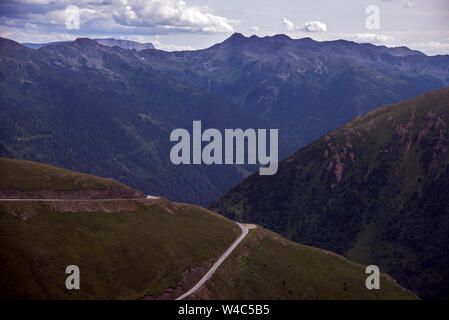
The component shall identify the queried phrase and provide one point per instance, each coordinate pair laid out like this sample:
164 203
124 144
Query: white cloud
371 37
36 1
171 47
431 47
408 4
314 26
33 35
254 28
288 24
120 16
170 14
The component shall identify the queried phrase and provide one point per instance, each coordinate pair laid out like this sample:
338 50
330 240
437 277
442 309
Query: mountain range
100 110
364 181
301 86
109 111
108 42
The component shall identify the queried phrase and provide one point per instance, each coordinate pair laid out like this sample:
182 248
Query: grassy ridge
267 266
30 176
121 255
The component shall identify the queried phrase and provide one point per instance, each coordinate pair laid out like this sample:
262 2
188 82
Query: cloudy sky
195 24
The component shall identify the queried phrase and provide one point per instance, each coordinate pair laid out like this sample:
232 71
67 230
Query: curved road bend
217 264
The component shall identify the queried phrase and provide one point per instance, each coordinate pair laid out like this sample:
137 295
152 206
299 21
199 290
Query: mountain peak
11 47
236 36
281 36
85 42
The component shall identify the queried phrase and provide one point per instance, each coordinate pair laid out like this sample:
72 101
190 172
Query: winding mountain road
220 260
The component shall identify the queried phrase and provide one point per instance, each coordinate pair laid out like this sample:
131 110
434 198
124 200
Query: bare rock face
125 44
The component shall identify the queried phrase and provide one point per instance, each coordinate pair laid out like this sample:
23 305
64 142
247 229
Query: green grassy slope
125 249
125 254
374 190
33 176
267 266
